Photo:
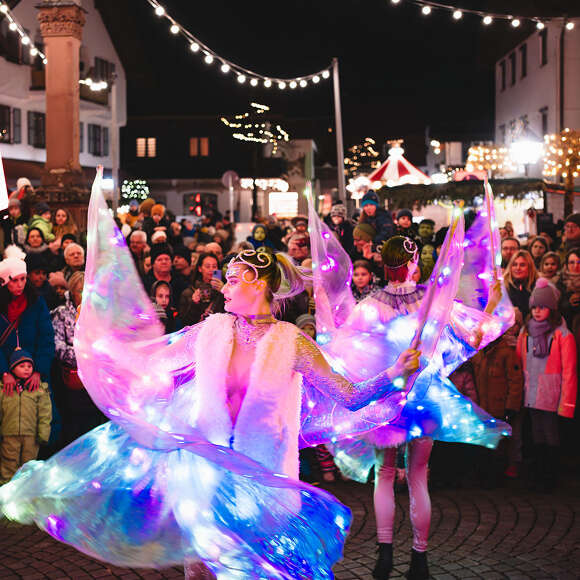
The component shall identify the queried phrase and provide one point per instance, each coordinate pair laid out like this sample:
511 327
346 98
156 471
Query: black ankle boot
384 565
419 570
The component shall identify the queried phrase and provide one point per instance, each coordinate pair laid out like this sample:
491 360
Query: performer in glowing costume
452 318
200 459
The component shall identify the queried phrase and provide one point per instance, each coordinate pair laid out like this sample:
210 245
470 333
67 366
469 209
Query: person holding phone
204 296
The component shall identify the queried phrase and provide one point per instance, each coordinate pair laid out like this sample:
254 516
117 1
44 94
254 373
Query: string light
15 26
196 45
492 158
428 6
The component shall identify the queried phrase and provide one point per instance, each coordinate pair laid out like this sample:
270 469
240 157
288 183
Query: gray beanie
545 294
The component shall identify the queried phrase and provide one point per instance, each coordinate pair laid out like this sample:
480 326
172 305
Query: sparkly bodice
247 332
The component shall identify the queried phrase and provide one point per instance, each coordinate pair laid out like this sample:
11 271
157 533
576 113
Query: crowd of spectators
182 269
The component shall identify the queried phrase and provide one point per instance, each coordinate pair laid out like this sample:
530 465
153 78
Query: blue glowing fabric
369 336
148 489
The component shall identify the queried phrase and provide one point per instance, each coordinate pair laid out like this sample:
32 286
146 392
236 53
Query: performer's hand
9 383
406 365
494 296
33 383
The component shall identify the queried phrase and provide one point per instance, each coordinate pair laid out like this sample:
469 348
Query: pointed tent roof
396 170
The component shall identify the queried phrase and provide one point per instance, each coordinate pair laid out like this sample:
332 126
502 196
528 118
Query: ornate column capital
61 18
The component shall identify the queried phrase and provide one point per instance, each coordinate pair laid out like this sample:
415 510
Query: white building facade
537 86
23 100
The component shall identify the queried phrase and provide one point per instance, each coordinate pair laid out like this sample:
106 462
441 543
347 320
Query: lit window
199 146
204 146
146 147
193 146
151 147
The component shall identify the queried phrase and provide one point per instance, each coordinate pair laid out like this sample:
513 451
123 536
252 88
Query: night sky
400 71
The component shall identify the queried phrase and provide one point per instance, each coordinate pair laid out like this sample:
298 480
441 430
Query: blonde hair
532 272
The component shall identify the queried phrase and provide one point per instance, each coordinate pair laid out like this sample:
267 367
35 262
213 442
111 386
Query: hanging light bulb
208 59
487 20
426 10
159 10
303 83
515 22
254 82
457 14
540 25
325 74
315 79
13 26
395 1
241 79
225 68
194 47
4 8
25 40
33 51
569 26
293 84
174 29
281 85
267 83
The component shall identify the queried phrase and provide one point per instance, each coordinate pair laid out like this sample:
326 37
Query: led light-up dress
360 338
172 477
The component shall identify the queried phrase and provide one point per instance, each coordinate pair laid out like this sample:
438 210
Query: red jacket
554 388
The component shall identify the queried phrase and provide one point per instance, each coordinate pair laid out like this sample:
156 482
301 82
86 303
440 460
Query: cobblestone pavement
504 533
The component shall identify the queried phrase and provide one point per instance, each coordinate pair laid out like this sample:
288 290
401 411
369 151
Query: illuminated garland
15 26
360 158
562 154
493 158
134 189
226 66
257 132
487 18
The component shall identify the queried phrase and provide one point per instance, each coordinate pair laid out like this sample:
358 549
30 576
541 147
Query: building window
103 70
544 116
502 74
199 146
543 46
36 129
146 147
524 60
5 132
512 58
81 137
95 144
16 126
502 134
105 135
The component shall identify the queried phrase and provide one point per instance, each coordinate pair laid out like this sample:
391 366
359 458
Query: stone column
61 25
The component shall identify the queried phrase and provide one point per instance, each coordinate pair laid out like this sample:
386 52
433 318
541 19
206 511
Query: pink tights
417 460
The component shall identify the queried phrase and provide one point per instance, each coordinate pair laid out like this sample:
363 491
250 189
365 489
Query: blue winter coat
36 335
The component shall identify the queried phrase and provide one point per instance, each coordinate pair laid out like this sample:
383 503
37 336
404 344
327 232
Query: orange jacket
551 383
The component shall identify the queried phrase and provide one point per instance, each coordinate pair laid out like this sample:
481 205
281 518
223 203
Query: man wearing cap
571 238
41 220
161 269
377 217
182 261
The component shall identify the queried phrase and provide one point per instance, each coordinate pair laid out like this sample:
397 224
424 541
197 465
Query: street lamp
526 152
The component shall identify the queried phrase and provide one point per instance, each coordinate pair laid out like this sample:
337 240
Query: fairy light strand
16 27
428 7
243 75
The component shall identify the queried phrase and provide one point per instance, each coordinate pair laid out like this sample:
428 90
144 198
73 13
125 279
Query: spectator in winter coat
138 246
426 232
25 417
405 225
24 193
342 228
80 413
60 287
36 244
161 269
63 223
25 322
377 217
520 278
550 267
182 261
14 224
168 316
156 222
41 220
509 246
74 257
259 237
37 270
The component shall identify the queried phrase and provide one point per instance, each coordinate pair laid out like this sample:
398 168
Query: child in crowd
548 353
550 267
168 315
405 225
25 417
60 286
363 283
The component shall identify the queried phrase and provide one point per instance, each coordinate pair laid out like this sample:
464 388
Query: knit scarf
16 307
539 332
571 281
